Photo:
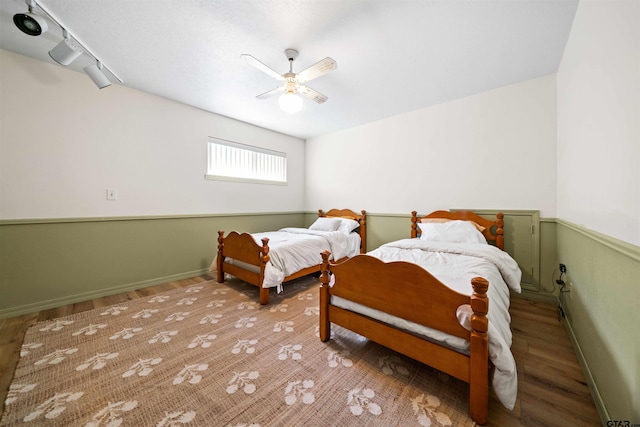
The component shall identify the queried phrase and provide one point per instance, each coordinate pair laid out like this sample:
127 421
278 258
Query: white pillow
452 232
348 225
325 224
475 224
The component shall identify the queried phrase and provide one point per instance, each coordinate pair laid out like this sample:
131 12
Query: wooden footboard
408 291
243 248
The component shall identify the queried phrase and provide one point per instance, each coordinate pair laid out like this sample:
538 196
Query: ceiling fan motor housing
291 54
291 85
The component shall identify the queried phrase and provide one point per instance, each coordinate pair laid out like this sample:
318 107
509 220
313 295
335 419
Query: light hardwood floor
552 390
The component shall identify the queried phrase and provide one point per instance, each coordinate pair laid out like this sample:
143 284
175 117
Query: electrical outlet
112 194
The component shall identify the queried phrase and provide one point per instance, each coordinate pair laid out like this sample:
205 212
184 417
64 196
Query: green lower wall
45 264
603 316
48 263
548 261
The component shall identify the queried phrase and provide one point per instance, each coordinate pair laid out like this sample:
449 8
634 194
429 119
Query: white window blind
232 161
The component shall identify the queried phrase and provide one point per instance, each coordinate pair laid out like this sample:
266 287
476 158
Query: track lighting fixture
66 51
95 72
29 23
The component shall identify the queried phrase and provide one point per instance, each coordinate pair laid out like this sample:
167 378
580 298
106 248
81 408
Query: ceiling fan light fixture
290 103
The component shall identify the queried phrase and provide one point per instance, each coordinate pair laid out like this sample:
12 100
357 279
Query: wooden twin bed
253 257
408 291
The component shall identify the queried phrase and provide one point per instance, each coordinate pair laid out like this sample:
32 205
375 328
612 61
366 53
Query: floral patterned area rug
210 355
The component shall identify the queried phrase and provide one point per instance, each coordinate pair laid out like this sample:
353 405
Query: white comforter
455 264
292 249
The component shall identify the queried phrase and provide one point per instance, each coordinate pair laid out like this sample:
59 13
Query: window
231 161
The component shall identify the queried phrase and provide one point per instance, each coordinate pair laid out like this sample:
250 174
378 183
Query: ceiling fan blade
312 94
260 66
271 92
316 70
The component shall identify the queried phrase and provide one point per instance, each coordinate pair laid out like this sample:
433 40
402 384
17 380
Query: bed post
500 230
320 213
220 258
479 357
414 224
325 324
264 259
363 232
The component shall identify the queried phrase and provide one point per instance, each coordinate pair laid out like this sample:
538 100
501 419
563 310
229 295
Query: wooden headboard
493 230
348 213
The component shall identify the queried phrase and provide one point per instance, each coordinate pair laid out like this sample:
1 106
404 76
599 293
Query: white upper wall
599 120
63 142
493 150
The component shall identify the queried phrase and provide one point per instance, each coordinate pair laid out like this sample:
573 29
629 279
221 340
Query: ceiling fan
293 82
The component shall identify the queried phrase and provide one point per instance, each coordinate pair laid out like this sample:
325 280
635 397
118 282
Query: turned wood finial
414 224
265 250
324 276
320 213
480 305
500 230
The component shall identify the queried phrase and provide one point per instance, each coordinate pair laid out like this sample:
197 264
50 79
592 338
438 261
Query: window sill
247 180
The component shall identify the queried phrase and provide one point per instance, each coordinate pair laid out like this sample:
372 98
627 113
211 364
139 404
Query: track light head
94 71
66 51
29 23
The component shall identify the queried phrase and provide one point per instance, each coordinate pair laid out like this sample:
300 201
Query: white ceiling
393 56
